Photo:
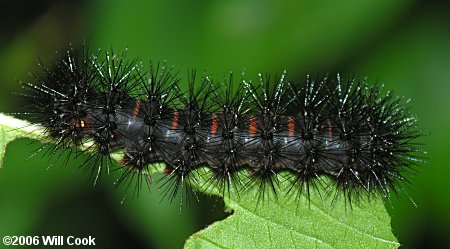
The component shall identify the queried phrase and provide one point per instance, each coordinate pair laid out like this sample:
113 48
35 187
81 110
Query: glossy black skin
345 129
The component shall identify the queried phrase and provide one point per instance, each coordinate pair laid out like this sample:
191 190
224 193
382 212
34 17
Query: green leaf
282 222
11 129
285 222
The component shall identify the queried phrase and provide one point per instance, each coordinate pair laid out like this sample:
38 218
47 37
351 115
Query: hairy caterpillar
362 139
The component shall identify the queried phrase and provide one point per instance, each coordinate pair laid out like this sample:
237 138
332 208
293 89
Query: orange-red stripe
330 129
252 129
214 124
136 108
176 115
291 126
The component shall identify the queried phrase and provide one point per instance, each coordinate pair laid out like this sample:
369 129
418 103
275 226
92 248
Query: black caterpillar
362 139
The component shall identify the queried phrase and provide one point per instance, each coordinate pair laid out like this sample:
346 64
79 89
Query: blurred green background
403 44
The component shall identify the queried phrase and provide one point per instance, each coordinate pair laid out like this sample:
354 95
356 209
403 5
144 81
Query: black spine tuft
345 129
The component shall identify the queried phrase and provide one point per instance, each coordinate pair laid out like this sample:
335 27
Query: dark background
403 44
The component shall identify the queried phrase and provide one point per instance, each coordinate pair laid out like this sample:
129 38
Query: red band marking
136 108
291 126
214 124
176 114
330 129
252 129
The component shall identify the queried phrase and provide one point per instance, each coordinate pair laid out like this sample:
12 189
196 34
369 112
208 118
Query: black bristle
226 139
243 134
188 149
